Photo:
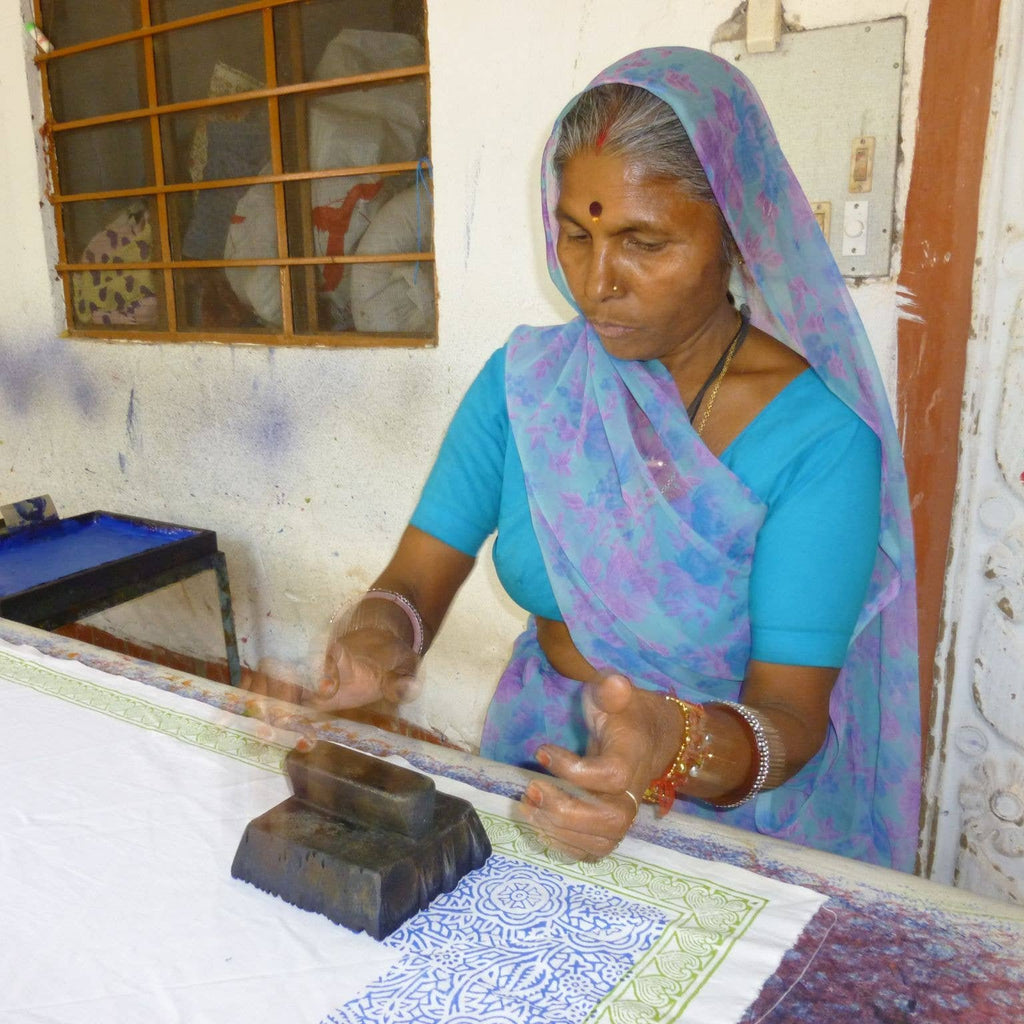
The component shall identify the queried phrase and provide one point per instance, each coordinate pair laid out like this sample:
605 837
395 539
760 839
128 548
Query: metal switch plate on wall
833 95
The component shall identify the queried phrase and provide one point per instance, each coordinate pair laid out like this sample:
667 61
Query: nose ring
615 287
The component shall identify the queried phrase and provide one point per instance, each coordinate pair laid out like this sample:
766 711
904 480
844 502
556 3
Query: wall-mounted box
833 95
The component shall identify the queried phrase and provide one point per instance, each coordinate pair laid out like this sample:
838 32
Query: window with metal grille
248 171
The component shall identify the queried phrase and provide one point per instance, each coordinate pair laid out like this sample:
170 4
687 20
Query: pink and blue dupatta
648 538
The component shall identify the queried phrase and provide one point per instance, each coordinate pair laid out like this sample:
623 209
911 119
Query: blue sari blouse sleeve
461 498
818 468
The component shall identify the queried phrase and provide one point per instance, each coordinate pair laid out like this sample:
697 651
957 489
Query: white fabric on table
120 812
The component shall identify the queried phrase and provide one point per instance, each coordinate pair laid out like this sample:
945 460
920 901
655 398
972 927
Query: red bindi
595 209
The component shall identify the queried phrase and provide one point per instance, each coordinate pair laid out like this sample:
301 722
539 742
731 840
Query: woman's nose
602 277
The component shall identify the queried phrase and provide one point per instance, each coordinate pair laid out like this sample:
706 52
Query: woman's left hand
632 739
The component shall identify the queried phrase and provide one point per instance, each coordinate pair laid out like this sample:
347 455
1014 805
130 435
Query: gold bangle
662 791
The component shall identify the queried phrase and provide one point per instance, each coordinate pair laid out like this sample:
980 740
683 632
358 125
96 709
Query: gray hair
631 122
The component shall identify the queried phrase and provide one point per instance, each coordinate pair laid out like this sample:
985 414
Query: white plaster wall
307 462
974 835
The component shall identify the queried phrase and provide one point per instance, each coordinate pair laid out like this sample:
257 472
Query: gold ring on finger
636 804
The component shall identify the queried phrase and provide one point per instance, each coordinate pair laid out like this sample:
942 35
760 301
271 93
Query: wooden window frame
160 189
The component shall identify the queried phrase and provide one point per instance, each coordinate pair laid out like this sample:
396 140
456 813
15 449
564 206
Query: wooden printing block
361 789
364 875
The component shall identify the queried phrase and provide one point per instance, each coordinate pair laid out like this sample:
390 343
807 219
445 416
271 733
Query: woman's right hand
369 654
363 664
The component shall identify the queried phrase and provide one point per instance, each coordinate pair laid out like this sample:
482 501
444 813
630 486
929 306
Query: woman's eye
644 245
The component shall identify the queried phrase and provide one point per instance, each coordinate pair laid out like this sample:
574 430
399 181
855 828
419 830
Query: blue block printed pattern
532 939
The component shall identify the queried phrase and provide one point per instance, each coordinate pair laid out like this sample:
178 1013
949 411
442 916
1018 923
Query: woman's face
643 262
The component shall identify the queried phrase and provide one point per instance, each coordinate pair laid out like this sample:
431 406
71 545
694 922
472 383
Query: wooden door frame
940 242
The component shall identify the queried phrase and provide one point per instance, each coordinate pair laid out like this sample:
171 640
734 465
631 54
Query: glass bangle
761 751
409 608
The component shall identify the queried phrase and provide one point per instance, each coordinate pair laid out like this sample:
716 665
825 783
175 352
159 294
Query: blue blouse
808 457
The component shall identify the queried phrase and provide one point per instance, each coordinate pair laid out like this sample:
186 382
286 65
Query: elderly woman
698 495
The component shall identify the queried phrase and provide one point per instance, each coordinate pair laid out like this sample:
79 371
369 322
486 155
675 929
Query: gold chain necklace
718 382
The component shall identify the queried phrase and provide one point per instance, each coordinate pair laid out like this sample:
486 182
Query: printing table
883 946
59 571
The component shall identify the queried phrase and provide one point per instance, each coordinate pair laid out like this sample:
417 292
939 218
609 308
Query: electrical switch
855 228
823 215
862 164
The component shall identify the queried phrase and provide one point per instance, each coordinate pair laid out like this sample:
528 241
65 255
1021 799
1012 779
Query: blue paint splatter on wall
270 426
26 371
131 425
272 430
85 397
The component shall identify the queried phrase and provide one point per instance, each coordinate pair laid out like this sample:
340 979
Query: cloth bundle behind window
234 149
109 296
350 128
396 296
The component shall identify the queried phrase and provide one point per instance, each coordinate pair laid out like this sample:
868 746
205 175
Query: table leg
227 618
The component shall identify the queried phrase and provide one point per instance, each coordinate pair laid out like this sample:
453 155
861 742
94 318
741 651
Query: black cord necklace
733 347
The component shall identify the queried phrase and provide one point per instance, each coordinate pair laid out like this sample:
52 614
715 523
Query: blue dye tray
51 570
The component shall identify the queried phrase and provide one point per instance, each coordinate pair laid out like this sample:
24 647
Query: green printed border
221 739
706 919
